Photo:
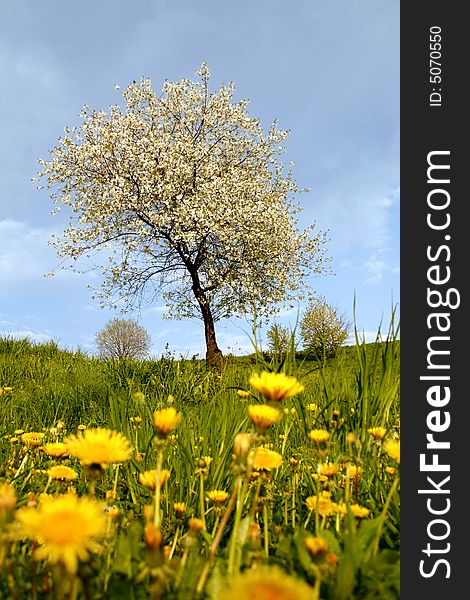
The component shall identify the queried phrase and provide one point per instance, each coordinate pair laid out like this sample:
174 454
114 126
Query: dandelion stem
157 515
49 479
241 491
266 529
173 545
216 524
218 537
202 508
294 489
22 466
317 513
255 499
116 478
308 519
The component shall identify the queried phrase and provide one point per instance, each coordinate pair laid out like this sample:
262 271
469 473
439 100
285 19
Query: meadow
276 479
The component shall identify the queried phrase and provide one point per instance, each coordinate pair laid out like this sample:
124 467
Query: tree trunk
214 356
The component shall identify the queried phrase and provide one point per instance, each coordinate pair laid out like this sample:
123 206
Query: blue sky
328 70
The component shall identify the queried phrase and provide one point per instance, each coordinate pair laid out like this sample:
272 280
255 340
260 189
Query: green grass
353 392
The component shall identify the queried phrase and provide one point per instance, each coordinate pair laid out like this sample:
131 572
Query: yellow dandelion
99 446
390 470
207 461
378 433
111 495
32 439
243 393
112 512
153 536
195 525
18 431
6 389
266 583
165 420
326 508
276 386
149 478
319 436
266 460
56 449
311 407
328 469
179 507
217 496
263 416
64 527
340 509
359 511
320 478
81 427
392 448
242 443
62 472
354 471
7 498
316 545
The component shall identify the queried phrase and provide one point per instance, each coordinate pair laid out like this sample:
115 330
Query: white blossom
189 197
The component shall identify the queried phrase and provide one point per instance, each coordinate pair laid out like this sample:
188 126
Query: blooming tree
323 328
187 196
123 338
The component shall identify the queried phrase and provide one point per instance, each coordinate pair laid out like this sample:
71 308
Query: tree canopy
123 338
189 199
323 328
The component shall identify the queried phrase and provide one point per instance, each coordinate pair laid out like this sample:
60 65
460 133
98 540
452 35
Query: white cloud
33 336
375 267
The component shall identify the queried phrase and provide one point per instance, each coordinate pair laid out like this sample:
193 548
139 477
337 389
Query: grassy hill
279 513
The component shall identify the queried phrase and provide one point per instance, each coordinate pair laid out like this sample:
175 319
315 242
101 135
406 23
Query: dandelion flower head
267 583
266 460
276 386
7 498
99 446
62 472
319 436
263 416
328 469
217 496
32 439
316 545
392 448
378 433
165 420
149 478
66 528
55 449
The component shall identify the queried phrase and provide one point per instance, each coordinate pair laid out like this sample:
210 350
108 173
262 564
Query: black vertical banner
435 249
